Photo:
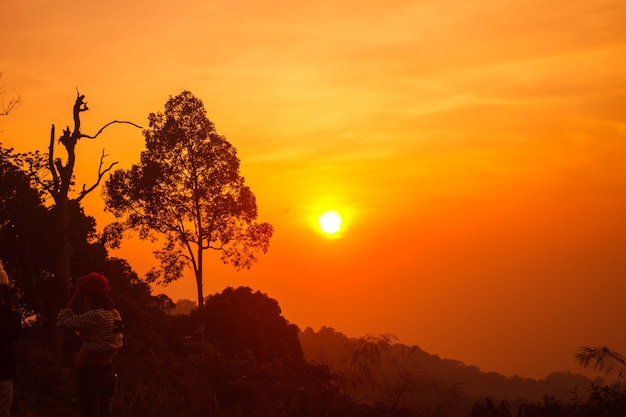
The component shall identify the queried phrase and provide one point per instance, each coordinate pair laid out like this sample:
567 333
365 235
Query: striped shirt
98 328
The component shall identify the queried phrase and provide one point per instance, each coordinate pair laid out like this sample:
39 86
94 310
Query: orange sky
476 150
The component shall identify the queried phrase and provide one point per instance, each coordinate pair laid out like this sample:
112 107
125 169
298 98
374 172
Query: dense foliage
599 401
188 189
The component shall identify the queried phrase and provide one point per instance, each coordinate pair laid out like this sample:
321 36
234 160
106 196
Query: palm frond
604 359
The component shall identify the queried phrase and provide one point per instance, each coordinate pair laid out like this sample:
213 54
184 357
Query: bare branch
101 174
55 176
107 125
13 103
36 178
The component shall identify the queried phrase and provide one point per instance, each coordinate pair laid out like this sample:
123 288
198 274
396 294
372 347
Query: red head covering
95 283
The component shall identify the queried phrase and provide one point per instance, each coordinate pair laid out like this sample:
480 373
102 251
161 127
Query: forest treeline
330 346
236 354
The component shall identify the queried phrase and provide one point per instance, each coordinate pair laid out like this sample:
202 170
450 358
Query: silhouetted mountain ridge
330 346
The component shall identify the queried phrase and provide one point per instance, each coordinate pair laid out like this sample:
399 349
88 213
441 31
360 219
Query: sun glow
330 222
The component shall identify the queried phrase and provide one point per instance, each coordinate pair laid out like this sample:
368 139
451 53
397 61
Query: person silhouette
10 327
100 327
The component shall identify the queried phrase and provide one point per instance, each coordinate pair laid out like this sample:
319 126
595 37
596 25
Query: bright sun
330 222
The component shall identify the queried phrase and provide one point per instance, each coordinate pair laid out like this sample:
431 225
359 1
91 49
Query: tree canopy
240 319
188 189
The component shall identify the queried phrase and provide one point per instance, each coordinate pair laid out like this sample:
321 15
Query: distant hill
329 346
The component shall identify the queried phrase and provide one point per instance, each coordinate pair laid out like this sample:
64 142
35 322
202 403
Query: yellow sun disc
330 222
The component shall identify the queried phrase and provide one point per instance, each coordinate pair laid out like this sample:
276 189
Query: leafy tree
22 215
188 189
28 232
357 373
184 306
603 359
248 361
404 380
240 320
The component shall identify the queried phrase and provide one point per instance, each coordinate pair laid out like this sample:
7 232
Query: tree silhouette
61 183
29 237
405 379
357 373
7 104
21 216
187 188
240 320
489 409
604 359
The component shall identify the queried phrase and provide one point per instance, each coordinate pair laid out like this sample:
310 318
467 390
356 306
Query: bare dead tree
62 181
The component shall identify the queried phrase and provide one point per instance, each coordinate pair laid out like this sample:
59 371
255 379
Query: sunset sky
475 149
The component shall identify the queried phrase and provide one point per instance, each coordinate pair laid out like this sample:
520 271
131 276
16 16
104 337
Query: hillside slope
332 347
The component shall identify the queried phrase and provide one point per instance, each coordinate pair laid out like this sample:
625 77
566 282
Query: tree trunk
199 280
65 248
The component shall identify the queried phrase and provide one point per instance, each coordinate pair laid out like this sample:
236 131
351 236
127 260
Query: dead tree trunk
61 185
